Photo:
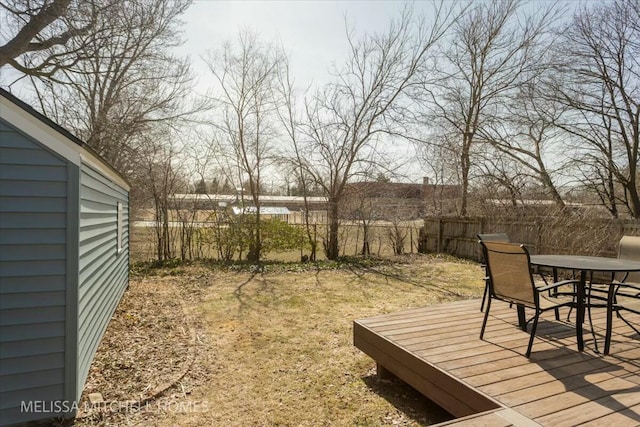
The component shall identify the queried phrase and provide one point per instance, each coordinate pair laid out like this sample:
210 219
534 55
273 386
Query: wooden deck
436 350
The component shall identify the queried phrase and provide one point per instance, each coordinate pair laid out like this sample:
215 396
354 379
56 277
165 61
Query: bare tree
42 37
346 120
161 178
291 124
528 137
599 84
491 53
130 86
246 79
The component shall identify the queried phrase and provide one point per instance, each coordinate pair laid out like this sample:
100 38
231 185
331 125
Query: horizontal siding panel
32 220
101 220
89 193
19 156
95 231
104 254
47 393
32 252
31 332
40 378
5 127
44 236
91 300
93 178
97 307
98 191
10 137
27 316
96 290
23 364
33 204
88 207
92 245
12 399
33 188
33 172
32 347
32 284
103 272
30 268
94 284
32 300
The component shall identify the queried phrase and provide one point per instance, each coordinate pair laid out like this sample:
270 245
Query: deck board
436 349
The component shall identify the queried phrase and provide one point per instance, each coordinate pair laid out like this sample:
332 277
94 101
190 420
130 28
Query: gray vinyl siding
33 273
103 269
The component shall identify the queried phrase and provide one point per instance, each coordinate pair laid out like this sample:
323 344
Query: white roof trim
39 131
54 140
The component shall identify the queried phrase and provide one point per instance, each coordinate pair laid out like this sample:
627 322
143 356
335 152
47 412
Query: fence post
411 238
440 232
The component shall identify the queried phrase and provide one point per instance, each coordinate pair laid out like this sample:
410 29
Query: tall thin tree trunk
332 244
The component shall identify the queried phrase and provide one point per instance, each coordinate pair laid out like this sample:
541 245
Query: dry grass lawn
274 348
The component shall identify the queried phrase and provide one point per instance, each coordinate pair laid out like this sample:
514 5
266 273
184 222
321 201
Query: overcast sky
312 33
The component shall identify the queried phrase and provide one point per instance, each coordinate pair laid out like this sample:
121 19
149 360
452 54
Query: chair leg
522 317
627 322
609 330
484 295
486 317
593 332
533 333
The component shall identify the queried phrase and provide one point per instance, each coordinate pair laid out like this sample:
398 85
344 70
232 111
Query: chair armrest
557 284
627 289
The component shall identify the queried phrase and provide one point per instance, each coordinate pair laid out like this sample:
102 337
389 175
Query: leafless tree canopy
43 37
492 52
598 84
246 75
345 121
503 101
129 85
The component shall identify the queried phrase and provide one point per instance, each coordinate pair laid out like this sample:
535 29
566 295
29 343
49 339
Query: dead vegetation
196 345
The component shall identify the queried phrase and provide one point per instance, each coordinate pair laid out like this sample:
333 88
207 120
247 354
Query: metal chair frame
513 282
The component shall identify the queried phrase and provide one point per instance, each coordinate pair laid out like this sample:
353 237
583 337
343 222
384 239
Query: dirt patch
146 359
265 348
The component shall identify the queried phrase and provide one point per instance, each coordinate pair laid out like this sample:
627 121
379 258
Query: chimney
425 180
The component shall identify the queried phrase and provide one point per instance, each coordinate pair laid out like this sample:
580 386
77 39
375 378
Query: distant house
374 200
441 199
295 205
64 261
280 213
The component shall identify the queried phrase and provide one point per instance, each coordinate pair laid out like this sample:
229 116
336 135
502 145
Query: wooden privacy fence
552 235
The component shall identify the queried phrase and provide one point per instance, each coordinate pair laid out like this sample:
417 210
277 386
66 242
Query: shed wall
33 274
103 267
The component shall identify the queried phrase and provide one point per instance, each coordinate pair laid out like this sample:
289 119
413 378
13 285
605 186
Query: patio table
585 265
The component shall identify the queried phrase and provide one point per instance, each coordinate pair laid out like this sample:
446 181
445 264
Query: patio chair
489 237
625 294
510 280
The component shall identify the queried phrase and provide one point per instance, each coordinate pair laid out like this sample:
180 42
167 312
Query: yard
201 345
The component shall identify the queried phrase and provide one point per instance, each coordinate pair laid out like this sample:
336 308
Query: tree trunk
332 249
465 163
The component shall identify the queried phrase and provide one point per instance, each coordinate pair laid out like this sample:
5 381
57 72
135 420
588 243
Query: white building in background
286 208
